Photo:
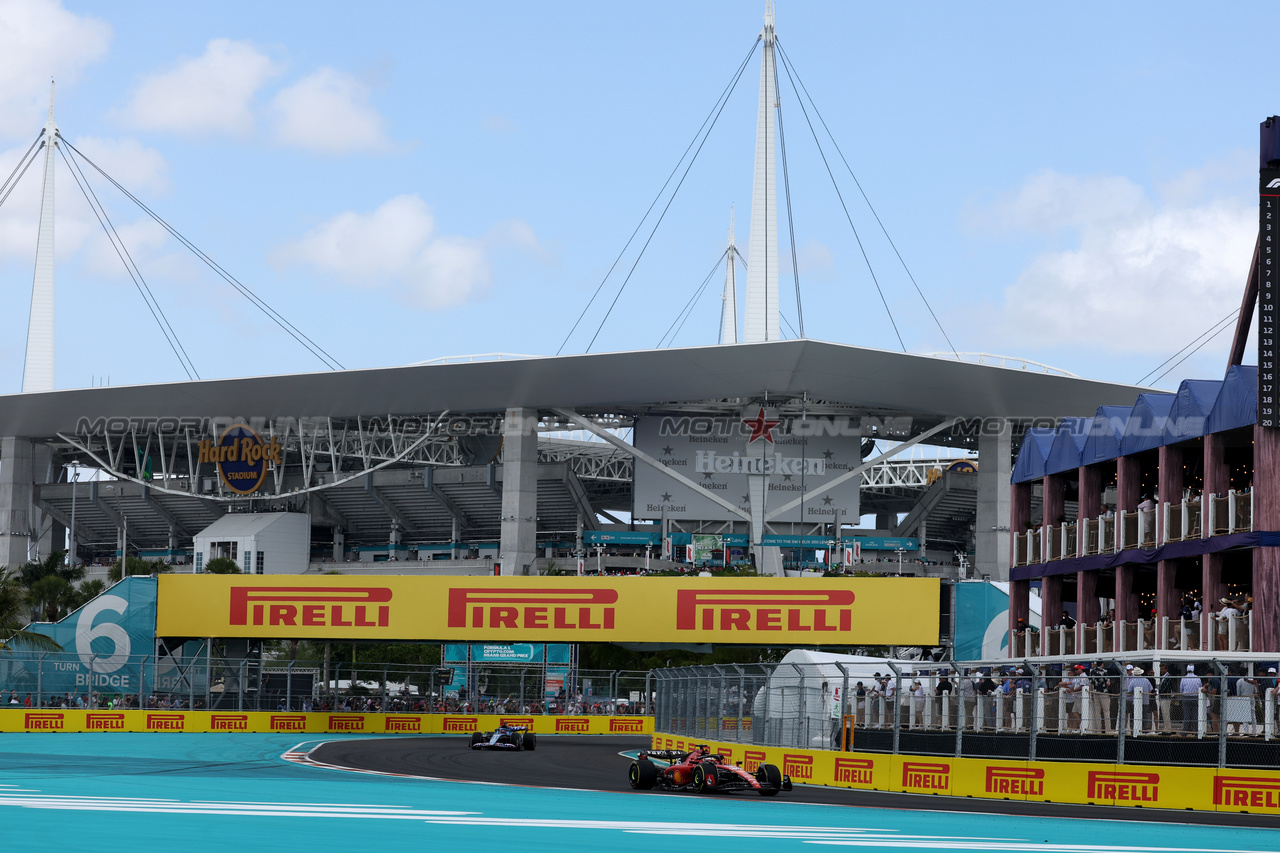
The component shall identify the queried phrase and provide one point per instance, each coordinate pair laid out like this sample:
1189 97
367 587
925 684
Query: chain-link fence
200 680
1169 711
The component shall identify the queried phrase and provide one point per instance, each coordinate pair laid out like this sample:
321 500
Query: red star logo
761 427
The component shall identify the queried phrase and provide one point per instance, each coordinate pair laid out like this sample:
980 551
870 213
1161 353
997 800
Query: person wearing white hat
1189 699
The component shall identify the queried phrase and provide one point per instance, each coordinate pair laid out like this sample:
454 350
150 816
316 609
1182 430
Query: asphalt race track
593 763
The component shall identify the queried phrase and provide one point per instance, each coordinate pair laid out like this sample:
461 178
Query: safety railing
199 680
1147 528
1166 711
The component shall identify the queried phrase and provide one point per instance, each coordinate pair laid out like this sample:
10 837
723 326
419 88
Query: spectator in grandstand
1101 694
1074 688
1247 690
1189 689
1066 621
968 696
1166 688
1137 689
986 689
1224 617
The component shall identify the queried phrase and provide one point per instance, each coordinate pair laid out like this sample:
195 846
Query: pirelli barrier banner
40 720
1200 788
759 611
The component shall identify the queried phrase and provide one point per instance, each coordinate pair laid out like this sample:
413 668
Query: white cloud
141 170
40 40
1142 273
498 123
211 93
328 112
395 247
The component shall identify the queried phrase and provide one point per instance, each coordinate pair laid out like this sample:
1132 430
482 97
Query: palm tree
15 610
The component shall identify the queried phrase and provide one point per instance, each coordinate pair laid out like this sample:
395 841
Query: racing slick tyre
530 741
643 775
704 777
476 738
770 779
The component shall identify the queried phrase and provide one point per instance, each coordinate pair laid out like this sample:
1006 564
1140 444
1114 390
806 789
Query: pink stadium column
1126 597
1169 490
1019 607
1211 590
1128 482
1266 560
1216 475
1019 513
1169 483
1050 607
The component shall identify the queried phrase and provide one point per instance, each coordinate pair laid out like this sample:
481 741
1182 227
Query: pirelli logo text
527 722
764 610
752 759
459 724
1015 781
166 722
403 724
229 723
346 722
1124 787
1252 792
43 722
926 776
560 609
104 722
288 722
626 725
307 607
797 766
581 725
854 770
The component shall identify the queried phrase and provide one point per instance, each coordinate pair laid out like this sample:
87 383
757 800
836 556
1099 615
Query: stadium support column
16 491
519 491
1266 559
768 558
455 539
1050 606
992 526
1089 505
339 545
1168 489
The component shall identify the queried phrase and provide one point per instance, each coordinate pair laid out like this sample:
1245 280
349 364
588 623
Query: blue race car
505 737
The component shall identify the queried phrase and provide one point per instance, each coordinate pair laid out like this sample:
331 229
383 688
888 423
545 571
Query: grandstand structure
440 465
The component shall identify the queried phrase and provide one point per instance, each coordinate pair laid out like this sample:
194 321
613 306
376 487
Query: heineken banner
800 458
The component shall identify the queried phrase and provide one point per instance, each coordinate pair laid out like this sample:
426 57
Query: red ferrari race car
702 771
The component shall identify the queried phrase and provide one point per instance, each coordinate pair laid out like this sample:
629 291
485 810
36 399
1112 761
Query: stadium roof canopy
865 380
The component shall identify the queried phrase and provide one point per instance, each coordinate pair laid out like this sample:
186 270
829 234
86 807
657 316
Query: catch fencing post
897 700
960 714
742 696
1222 717
844 705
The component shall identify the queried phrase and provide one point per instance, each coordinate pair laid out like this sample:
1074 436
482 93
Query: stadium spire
762 322
37 372
729 311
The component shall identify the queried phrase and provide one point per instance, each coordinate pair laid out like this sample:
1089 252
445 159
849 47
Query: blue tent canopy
1103 441
1068 441
1189 417
1237 403
1031 456
1145 427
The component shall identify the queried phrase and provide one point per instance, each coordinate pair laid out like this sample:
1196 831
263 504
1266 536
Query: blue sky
404 181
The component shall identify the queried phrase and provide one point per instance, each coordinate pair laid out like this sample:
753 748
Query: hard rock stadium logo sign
242 458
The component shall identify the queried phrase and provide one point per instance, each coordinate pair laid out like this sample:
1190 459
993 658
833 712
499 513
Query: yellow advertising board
1147 786
315 722
759 611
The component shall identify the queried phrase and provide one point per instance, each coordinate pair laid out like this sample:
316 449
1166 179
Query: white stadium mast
762 246
37 373
729 311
